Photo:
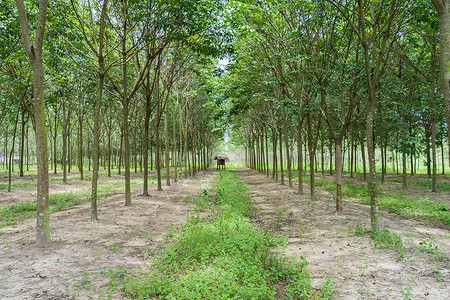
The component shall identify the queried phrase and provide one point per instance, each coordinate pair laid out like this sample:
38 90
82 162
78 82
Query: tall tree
34 52
443 10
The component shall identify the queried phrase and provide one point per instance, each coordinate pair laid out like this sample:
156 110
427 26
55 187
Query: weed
278 217
358 230
406 292
431 248
439 274
383 238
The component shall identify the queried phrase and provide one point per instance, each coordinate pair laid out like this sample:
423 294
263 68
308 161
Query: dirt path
317 233
73 264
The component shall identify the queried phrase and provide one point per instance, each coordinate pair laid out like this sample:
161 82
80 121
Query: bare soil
73 265
317 233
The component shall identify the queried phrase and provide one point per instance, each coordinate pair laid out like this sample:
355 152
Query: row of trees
327 73
122 81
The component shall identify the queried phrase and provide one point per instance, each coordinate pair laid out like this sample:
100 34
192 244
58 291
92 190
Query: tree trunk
166 150
34 53
281 157
443 10
22 144
288 157
312 187
428 153
300 158
338 156
11 155
158 144
125 102
174 138
275 158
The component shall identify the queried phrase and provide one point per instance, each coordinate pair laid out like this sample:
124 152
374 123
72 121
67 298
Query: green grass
224 256
398 202
381 239
395 201
440 185
12 214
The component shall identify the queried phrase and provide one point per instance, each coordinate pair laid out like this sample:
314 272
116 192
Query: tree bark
443 10
299 153
34 53
98 103
166 150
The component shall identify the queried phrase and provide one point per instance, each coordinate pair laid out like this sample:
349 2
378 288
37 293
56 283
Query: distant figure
220 162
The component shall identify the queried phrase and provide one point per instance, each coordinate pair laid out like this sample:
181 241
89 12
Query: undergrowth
11 214
395 201
381 239
223 256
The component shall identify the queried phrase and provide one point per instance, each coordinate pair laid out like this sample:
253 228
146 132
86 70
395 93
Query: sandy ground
73 264
323 237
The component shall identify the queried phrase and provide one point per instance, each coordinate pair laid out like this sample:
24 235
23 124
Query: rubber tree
34 52
443 10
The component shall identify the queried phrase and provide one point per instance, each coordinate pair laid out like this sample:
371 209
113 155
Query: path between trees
317 233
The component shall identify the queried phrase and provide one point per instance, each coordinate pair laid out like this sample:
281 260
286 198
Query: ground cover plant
394 200
14 213
224 256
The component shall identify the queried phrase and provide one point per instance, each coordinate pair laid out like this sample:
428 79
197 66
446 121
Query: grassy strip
12 214
87 177
395 201
224 256
443 185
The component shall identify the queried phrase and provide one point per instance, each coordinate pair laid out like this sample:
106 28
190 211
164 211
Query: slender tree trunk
428 152
338 155
11 155
312 187
125 102
288 157
174 138
34 53
275 158
267 152
405 185
55 157
166 150
281 157
363 156
64 146
433 119
119 154
443 10
299 153
22 144
158 144
80 149
322 157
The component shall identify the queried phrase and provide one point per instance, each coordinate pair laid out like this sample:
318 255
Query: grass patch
395 201
398 202
381 239
224 256
12 214
440 185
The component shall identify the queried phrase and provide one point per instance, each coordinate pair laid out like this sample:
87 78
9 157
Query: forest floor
337 247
